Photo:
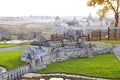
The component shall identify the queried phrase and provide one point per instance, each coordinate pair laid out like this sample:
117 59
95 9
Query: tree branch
112 6
117 6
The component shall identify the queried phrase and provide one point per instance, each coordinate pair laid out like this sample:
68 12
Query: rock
2 70
101 49
117 52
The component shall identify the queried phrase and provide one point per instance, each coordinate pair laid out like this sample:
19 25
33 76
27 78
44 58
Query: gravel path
14 48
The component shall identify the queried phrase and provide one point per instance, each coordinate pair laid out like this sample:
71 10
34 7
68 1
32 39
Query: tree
107 5
6 38
71 23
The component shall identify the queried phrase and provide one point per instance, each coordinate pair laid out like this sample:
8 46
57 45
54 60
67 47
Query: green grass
105 42
100 44
104 65
24 43
103 45
112 41
5 45
11 59
2 45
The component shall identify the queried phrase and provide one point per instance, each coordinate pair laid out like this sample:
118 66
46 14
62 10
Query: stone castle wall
55 56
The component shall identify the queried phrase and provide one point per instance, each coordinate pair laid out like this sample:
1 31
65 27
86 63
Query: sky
45 8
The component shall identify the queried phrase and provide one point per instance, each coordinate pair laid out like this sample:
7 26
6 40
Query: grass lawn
11 59
3 45
104 42
104 65
99 44
112 41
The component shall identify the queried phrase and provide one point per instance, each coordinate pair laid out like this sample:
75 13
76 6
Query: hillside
16 26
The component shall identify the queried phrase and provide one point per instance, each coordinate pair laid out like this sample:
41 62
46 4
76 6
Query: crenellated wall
65 54
15 73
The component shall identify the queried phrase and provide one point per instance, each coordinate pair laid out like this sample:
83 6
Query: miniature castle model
56 50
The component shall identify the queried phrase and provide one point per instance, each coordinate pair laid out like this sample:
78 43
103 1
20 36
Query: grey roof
45 44
39 52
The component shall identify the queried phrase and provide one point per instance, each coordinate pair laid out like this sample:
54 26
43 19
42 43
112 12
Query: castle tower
75 21
90 19
57 21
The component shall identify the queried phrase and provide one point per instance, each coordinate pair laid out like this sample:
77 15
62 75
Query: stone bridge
14 74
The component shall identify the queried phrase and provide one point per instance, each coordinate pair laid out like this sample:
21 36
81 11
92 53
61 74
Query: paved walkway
58 76
117 51
14 48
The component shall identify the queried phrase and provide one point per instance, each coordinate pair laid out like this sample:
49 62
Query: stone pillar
8 77
32 63
41 59
25 70
90 53
4 77
15 76
18 74
37 62
12 76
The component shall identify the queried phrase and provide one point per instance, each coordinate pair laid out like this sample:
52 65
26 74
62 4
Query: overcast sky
45 8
